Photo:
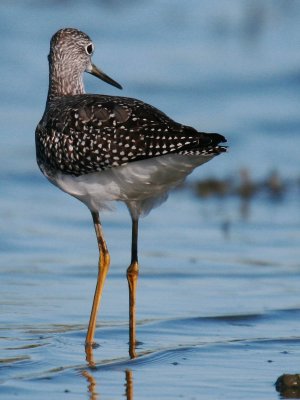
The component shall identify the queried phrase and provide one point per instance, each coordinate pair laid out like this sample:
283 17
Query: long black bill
99 74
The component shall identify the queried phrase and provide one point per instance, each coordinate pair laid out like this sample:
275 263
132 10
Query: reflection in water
129 384
89 353
92 385
246 191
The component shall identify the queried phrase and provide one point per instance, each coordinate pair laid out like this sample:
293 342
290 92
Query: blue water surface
218 309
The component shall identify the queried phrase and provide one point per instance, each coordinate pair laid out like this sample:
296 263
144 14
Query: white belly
142 185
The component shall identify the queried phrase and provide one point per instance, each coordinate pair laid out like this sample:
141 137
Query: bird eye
89 49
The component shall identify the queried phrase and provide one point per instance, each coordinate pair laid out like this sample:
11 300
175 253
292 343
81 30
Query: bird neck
64 82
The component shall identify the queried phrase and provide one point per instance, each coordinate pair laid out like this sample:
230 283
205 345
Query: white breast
142 185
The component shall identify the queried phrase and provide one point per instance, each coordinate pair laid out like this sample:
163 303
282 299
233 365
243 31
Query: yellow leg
132 277
104 260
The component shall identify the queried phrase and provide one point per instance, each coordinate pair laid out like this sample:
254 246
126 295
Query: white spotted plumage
101 149
83 138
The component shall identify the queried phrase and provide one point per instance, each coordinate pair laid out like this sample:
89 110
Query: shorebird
102 148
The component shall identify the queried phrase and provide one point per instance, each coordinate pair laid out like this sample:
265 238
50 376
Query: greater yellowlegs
104 148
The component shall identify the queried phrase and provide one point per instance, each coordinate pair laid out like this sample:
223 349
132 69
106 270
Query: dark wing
93 132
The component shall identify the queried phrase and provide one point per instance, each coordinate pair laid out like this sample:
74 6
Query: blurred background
222 255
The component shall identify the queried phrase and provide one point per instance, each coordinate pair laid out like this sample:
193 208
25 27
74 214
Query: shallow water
218 309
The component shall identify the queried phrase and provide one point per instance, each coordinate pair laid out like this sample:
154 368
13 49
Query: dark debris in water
272 189
288 385
241 185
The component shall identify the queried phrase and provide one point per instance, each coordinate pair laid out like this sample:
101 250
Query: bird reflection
92 385
89 356
129 384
